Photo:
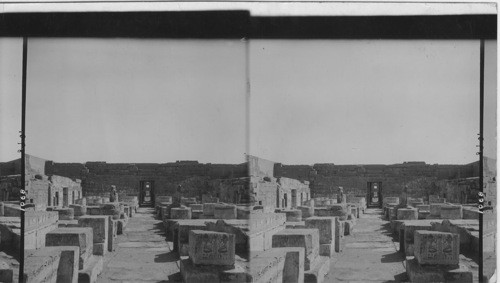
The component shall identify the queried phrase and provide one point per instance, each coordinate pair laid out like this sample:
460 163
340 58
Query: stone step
93 267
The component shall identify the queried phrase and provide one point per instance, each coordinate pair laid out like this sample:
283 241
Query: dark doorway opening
374 194
146 193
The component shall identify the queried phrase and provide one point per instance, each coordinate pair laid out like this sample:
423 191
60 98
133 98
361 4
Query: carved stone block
211 248
437 248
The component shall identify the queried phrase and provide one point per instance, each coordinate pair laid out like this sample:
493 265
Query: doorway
146 193
374 194
65 197
294 199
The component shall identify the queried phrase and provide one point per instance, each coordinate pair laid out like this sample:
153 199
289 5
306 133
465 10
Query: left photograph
136 157
11 181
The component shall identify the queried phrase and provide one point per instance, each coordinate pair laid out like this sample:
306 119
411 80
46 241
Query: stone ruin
263 227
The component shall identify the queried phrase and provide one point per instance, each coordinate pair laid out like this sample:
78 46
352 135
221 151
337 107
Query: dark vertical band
481 123
23 168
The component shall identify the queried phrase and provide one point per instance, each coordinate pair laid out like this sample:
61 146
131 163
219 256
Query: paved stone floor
370 255
142 254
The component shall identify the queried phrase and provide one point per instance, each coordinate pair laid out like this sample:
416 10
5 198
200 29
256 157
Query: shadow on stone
176 277
393 257
401 277
166 257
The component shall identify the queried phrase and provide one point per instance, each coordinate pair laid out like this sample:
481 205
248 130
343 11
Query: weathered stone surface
437 273
325 226
41 265
293 215
99 225
436 248
211 248
225 211
307 211
423 207
80 237
407 214
435 208
241 235
195 206
293 270
6 272
318 271
339 235
112 209
180 213
302 238
67 270
451 212
79 210
181 230
91 270
208 209
66 213
409 227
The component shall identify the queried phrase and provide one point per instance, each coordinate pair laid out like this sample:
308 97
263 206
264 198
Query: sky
314 101
365 101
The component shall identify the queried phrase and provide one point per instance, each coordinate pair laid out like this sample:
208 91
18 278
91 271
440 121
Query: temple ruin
259 221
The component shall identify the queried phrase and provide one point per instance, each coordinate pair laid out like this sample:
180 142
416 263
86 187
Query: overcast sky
365 102
343 102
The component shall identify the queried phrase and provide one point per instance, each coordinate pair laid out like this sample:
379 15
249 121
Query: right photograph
369 151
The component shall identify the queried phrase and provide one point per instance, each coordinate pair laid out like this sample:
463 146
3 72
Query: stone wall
260 167
354 178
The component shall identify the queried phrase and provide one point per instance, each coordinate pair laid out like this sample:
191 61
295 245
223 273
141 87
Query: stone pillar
2 209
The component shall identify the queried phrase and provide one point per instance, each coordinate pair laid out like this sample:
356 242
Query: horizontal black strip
377 27
206 24
238 24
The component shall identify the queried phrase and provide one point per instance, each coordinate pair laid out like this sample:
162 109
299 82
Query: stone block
67 270
6 272
91 270
423 207
424 214
268 266
349 227
301 238
435 208
436 248
317 273
307 211
409 227
293 215
451 212
67 223
93 210
339 235
208 209
222 211
79 237
211 248
293 270
111 209
66 213
99 225
327 250
180 213
78 210
112 234
181 230
41 265
195 206
407 214
325 226
120 226
197 214
437 273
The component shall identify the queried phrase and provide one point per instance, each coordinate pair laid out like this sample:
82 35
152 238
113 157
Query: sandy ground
142 254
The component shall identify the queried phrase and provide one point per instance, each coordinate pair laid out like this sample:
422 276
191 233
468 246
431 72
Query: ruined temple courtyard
258 221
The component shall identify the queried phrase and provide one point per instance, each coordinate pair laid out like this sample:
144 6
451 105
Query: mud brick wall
194 177
354 178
